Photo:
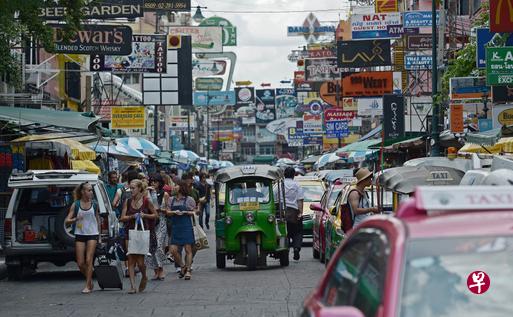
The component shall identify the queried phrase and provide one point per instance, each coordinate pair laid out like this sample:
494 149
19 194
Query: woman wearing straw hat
358 199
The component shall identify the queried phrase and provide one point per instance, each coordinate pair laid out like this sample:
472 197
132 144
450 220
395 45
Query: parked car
427 260
321 214
313 189
34 224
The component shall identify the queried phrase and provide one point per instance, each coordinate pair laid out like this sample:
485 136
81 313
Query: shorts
83 238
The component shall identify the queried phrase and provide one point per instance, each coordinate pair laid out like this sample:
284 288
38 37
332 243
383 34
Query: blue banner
415 62
484 36
380 34
419 19
214 98
337 129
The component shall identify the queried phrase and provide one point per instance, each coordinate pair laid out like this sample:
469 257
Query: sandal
182 272
87 291
132 291
188 275
142 285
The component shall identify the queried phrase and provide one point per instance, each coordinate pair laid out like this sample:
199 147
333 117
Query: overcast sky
263 45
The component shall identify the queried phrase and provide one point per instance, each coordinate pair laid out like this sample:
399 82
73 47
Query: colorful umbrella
327 159
185 156
116 149
141 145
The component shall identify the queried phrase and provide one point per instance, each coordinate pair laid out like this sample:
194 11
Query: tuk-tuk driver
294 197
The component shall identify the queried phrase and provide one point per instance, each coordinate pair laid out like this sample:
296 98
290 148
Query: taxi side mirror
316 206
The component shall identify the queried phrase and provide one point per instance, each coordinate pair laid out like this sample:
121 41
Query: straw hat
362 174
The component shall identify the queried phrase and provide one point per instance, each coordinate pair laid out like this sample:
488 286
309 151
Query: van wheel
252 255
63 232
284 258
220 261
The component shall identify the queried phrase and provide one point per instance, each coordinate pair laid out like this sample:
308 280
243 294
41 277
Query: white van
34 224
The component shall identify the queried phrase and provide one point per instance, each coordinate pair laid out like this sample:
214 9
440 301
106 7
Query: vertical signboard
383 6
499 65
457 118
501 12
393 116
265 106
286 102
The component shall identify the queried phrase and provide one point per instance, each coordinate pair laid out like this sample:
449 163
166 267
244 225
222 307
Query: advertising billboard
265 106
374 26
205 39
353 54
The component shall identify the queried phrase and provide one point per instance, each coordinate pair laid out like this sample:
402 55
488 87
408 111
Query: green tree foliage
19 22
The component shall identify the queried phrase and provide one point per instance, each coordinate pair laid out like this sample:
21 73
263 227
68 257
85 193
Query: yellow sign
250 205
243 83
506 117
128 118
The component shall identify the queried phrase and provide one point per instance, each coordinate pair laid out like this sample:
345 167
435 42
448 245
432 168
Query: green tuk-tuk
250 216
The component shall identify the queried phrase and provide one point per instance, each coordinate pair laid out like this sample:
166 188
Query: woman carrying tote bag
136 213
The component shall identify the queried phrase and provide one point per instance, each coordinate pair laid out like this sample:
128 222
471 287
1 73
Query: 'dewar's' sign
94 39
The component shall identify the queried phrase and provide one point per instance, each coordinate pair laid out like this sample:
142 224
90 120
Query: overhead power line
276 11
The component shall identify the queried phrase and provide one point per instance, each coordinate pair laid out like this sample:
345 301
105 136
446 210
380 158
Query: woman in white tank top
84 214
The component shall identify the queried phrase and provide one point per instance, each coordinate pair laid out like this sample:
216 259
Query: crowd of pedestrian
166 205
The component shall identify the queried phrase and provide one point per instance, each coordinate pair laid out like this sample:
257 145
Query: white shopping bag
139 240
200 237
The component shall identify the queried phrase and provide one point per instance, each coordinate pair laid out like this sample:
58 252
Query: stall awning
373 133
85 165
488 138
78 150
263 159
43 117
361 146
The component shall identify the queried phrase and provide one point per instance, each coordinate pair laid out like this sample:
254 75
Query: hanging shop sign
204 68
418 62
312 124
337 129
398 83
501 12
148 55
167 5
456 116
295 136
311 29
265 106
214 98
383 6
393 117
205 39
502 94
419 19
93 39
286 102
208 83
181 123
369 107
322 53
229 30
100 9
245 95
502 115
312 140
299 77
321 69
353 54
374 26
499 65
366 84
419 42
485 38
174 87
128 118
338 115
461 88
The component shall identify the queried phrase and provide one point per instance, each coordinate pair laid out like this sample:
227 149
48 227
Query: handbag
139 240
200 237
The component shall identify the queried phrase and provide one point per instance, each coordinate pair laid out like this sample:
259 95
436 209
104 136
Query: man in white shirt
294 197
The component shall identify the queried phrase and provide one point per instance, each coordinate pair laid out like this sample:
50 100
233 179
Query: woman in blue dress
181 209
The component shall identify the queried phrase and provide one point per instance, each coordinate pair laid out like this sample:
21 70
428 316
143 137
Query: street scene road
234 291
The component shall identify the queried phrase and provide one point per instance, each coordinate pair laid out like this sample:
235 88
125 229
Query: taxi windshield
435 282
313 193
242 192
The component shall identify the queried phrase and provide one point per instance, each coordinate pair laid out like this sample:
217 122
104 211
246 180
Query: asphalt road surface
234 291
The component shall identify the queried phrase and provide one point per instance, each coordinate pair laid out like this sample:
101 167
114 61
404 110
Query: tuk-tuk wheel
284 258
252 255
220 261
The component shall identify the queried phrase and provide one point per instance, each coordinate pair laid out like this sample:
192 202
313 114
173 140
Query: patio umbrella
224 164
286 161
118 149
185 156
327 159
140 144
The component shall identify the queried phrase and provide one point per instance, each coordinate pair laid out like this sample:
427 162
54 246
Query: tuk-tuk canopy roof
265 171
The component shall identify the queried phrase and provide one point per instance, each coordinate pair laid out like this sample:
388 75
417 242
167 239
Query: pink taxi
448 252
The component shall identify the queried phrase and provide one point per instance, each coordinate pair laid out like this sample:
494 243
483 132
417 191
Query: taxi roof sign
248 169
463 198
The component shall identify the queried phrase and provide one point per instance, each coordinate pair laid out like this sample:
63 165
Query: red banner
338 115
501 16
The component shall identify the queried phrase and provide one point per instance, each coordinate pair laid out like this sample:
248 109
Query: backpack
77 208
346 213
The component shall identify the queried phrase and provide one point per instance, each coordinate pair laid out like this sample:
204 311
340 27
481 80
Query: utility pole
435 136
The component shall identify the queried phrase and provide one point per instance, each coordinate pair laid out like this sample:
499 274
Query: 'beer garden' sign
499 65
